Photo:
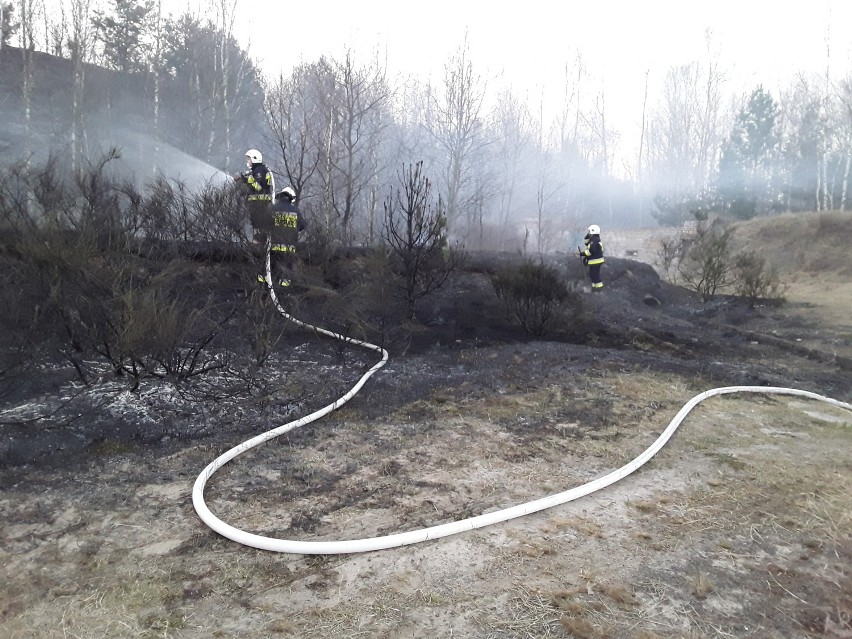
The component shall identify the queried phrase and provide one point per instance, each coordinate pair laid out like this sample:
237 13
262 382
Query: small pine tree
416 232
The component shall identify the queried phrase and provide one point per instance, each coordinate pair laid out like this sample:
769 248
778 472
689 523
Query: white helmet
594 229
289 193
253 156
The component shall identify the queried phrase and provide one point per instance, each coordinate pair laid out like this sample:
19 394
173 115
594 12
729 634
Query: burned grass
738 527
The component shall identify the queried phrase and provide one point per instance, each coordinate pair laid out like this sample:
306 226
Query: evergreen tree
805 160
7 27
746 164
123 32
193 60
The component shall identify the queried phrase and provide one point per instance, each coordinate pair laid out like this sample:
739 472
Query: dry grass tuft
580 628
619 593
645 506
569 601
585 526
701 585
530 614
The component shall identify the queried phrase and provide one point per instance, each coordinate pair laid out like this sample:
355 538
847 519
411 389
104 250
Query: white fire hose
443 530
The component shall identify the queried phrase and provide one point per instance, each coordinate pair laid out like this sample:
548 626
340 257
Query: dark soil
738 527
462 343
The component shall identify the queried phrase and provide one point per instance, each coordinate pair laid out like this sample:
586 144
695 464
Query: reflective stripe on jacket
594 250
286 224
260 183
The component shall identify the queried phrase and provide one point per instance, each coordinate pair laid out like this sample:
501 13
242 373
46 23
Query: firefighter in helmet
259 185
287 222
593 256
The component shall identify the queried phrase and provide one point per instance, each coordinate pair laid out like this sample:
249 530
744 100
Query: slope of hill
812 254
804 243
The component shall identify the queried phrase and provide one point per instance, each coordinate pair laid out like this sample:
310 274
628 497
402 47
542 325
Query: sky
526 45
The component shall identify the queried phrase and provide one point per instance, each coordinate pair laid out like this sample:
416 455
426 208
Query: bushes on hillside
535 294
83 273
706 263
755 280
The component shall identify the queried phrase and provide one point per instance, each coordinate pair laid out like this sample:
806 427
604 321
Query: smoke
142 159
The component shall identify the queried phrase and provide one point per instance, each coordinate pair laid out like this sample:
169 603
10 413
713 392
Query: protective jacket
593 253
260 183
287 223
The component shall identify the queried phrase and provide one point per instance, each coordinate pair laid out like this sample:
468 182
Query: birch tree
81 45
28 10
844 97
456 124
232 69
360 114
298 116
156 66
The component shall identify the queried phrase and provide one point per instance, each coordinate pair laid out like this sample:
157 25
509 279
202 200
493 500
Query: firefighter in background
260 185
287 222
593 256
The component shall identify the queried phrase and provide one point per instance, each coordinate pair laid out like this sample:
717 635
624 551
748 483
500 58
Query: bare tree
299 119
416 231
456 124
684 133
81 46
329 120
574 142
56 31
514 129
360 114
28 11
549 188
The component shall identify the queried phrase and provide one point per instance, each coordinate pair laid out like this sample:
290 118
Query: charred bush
535 294
75 281
706 265
702 260
176 222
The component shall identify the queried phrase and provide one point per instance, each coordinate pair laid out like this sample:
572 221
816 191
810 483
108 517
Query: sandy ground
740 527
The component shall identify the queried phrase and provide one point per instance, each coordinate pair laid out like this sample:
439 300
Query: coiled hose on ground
443 530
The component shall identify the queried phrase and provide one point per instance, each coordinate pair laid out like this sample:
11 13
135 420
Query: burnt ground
470 414
639 321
